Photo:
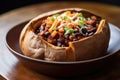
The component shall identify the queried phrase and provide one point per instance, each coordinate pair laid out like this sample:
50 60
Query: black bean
67 37
92 30
84 30
61 40
37 31
85 35
59 44
47 34
42 28
57 36
78 34
90 34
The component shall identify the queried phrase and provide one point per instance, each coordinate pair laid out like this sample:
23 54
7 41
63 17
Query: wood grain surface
12 69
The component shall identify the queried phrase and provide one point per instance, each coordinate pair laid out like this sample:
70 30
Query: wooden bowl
62 69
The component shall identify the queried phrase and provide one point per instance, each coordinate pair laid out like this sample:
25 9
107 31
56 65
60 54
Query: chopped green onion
81 22
82 18
56 15
71 30
68 30
52 19
55 29
80 15
64 17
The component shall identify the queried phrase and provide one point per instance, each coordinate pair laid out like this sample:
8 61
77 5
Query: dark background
7 5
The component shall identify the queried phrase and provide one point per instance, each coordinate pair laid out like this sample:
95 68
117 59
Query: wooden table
13 69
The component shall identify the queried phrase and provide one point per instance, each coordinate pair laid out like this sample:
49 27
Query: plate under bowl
62 69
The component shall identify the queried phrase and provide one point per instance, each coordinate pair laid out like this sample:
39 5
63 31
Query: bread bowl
35 45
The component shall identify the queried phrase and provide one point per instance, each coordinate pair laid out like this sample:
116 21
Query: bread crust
84 49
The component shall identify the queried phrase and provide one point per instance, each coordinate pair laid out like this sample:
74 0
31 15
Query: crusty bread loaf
84 49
